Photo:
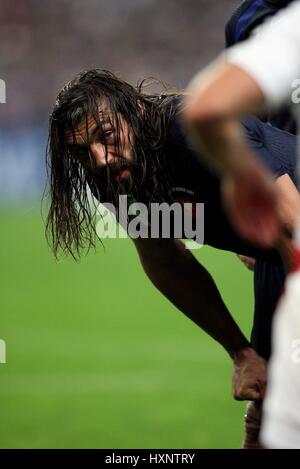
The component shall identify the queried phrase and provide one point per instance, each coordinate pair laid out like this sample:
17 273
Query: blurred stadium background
95 356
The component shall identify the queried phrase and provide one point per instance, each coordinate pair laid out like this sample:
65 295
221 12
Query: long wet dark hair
70 226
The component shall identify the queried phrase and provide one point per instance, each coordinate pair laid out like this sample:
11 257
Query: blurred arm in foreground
217 100
260 72
246 79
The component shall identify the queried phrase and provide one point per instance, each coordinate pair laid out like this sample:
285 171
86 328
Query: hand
250 198
249 378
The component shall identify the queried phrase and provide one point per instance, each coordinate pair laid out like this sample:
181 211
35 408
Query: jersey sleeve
272 57
231 24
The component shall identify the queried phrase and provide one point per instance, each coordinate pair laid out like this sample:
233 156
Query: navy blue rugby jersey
193 181
248 15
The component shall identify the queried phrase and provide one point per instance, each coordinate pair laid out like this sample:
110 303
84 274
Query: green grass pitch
97 358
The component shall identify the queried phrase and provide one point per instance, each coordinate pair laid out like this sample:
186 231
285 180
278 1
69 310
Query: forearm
217 97
190 288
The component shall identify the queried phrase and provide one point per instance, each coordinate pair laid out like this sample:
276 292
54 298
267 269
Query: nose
100 155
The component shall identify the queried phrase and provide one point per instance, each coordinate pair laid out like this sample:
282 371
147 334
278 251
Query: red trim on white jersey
296 260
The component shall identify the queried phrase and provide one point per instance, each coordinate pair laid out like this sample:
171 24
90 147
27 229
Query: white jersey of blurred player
272 59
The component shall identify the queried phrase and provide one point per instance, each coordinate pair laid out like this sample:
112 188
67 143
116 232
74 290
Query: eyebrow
99 123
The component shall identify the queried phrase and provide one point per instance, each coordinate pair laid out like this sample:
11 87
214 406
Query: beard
119 178
143 182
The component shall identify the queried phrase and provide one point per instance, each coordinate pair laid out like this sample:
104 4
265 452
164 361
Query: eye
106 135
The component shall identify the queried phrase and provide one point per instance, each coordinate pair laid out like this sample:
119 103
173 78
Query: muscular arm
188 285
218 97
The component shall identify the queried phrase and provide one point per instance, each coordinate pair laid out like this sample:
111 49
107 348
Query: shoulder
230 27
266 133
248 15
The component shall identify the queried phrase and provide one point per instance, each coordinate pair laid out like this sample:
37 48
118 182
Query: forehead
87 126
88 123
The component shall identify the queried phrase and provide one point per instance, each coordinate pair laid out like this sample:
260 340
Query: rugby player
107 136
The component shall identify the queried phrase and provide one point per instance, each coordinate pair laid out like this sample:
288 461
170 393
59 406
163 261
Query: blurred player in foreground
108 137
263 71
246 20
